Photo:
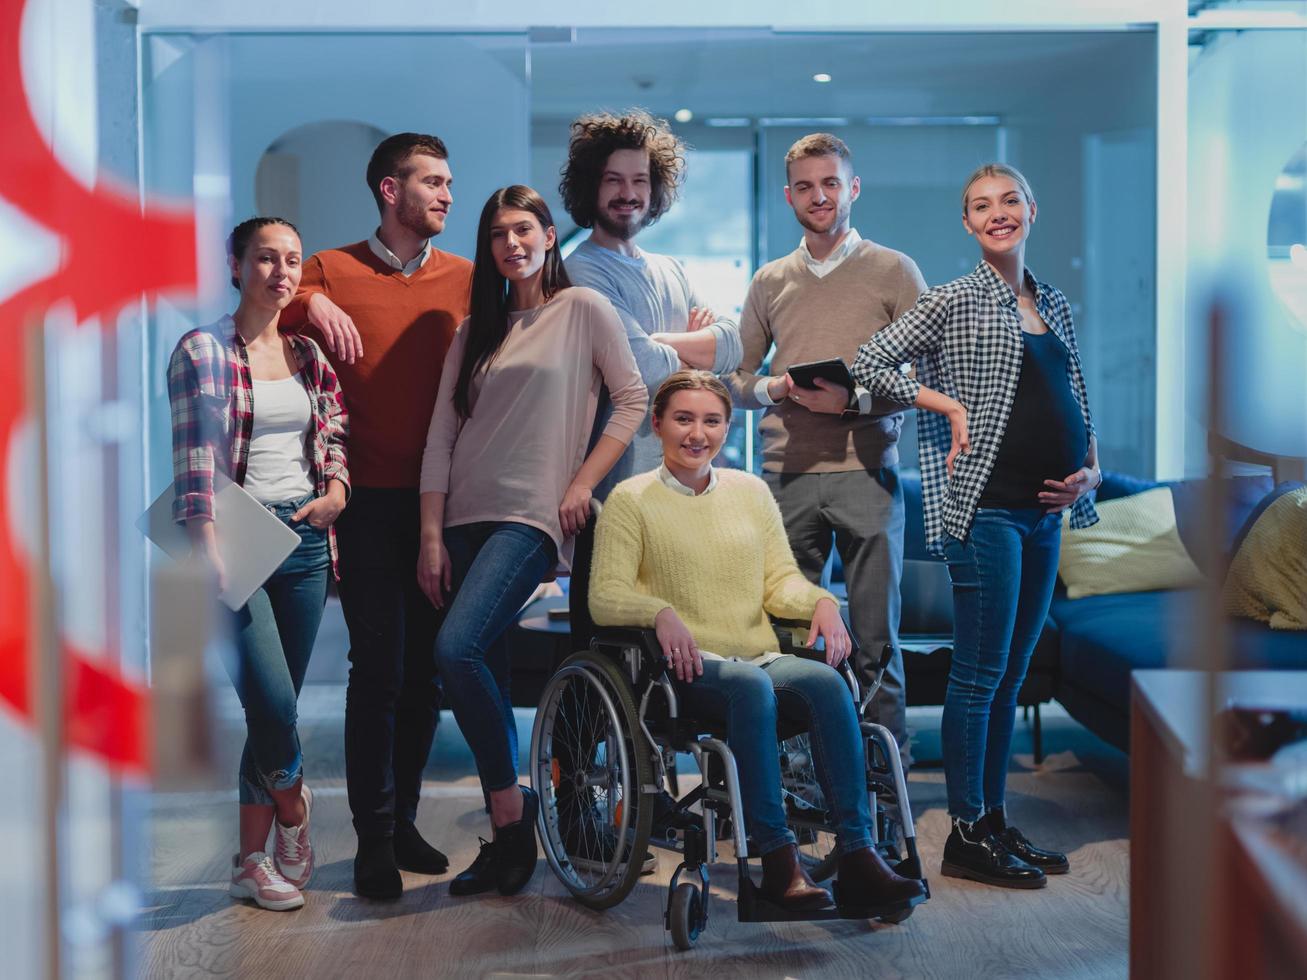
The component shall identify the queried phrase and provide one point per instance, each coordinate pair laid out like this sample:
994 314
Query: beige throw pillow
1134 547
1268 577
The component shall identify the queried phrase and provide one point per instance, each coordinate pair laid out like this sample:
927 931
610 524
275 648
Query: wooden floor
1075 928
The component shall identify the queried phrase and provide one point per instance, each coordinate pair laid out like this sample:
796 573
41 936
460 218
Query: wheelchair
603 761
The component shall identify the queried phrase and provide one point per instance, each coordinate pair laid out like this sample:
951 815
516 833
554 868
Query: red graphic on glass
103 233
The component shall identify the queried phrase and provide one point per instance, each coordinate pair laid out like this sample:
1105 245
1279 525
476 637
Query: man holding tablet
830 453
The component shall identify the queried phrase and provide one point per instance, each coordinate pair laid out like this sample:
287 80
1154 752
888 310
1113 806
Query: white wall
311 177
1248 97
213 105
313 15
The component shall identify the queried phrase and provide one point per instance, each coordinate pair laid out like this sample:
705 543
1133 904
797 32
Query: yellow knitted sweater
721 560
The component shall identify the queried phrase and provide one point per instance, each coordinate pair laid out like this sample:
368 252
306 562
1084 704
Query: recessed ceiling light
683 115
821 76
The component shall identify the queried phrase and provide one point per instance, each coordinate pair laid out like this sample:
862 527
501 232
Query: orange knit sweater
407 324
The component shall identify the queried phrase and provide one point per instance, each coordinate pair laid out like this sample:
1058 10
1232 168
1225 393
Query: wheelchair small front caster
685 916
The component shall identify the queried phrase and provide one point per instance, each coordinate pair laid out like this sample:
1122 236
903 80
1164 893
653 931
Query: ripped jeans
272 639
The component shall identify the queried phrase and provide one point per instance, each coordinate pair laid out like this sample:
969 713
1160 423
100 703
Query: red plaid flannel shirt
212 398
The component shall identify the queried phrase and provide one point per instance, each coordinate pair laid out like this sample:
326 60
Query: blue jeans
273 638
496 567
750 699
1003 577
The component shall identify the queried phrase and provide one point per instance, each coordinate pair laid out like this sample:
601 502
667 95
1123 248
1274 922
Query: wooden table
1189 842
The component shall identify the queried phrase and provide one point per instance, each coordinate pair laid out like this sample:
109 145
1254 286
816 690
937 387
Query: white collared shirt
380 250
672 483
821 268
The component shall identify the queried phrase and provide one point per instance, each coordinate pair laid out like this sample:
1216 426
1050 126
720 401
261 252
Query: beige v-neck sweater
811 319
514 457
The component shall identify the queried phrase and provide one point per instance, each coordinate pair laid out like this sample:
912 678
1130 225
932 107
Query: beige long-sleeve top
533 408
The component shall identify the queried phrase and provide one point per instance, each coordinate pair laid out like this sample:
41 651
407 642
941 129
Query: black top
1045 438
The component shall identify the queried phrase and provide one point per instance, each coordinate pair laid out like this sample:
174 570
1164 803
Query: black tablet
835 371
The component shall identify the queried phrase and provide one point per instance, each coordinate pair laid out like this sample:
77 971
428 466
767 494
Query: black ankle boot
515 861
375 873
973 852
412 853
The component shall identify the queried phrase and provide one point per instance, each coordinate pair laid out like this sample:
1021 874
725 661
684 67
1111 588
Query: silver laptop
251 541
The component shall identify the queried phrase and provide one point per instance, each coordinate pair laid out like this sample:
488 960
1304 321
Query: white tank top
278 467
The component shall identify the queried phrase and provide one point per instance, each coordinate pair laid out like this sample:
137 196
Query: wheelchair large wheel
592 767
805 808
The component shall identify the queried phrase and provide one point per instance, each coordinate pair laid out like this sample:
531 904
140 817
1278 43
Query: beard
841 216
623 228
416 218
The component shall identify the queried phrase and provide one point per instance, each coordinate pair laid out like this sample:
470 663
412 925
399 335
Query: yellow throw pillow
1268 577
1134 547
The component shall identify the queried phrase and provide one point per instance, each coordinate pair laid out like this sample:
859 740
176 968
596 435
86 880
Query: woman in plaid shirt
1006 445
265 408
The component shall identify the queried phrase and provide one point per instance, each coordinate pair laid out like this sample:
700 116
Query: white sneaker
255 878
293 851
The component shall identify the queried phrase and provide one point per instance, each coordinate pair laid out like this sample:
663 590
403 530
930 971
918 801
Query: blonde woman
1006 444
700 556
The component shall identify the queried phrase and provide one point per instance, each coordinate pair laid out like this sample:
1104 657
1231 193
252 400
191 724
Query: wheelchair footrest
874 911
908 868
752 907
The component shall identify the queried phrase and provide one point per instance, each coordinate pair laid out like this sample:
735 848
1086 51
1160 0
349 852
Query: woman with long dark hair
506 484
263 408
1006 446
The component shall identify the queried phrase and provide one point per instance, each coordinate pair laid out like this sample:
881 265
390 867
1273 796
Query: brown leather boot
866 881
786 884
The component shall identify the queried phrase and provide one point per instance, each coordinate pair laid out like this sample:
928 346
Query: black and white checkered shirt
965 338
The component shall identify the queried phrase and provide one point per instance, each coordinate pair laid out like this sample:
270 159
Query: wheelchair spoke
590 774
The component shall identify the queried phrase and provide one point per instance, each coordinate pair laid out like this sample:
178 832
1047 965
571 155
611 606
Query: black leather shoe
515 843
480 874
412 853
375 873
975 853
1049 862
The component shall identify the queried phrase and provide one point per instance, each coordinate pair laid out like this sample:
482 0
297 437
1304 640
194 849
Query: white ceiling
765 74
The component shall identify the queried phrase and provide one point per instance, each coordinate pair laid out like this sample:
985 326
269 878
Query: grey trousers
861 513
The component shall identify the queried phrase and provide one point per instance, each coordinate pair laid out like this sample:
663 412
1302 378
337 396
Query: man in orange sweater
388 308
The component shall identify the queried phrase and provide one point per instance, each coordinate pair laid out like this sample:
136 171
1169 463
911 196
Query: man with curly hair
622 174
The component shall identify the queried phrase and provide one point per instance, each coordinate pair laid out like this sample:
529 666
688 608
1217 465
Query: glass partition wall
249 122
919 112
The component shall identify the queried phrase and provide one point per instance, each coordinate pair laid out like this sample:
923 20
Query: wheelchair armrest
784 629
646 640
785 637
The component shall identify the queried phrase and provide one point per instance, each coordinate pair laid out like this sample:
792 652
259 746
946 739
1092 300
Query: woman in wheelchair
700 556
